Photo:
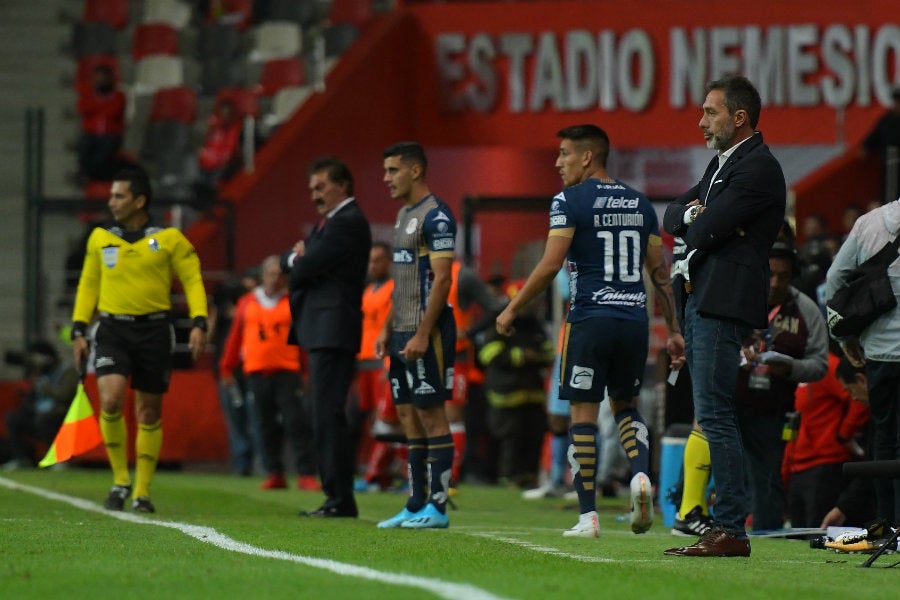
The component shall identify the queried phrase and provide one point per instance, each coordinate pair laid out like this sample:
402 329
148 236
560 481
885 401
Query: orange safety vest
376 305
465 352
263 336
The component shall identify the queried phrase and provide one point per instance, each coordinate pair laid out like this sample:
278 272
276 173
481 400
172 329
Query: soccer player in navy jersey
609 233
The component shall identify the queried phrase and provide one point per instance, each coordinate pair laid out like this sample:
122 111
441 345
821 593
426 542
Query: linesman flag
78 434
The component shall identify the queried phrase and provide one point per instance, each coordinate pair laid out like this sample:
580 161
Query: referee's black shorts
140 349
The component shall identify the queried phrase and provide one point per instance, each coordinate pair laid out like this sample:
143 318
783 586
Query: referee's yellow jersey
135 278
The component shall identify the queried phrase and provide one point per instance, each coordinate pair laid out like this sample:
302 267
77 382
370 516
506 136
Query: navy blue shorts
142 350
603 352
428 381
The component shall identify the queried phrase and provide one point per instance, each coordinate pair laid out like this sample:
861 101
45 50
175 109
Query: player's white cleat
587 526
641 503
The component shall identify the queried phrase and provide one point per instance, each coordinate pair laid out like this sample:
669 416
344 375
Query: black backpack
866 295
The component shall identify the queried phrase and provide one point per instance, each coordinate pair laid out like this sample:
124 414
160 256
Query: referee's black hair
338 171
408 152
588 133
138 183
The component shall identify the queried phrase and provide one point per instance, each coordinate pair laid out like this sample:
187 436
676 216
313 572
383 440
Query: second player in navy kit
609 233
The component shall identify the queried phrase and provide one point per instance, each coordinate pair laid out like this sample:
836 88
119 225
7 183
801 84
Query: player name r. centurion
616 219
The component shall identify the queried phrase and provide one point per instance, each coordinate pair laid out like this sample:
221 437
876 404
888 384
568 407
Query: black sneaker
694 523
143 505
118 494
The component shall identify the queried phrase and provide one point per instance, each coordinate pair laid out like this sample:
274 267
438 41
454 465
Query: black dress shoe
715 542
329 512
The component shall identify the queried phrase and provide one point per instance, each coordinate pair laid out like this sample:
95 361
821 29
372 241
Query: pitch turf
217 536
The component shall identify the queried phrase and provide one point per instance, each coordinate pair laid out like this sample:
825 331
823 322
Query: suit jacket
327 282
729 273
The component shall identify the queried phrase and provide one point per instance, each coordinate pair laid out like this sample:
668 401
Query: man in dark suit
729 222
327 277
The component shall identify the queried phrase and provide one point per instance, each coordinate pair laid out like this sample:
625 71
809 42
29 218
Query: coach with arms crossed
729 222
327 276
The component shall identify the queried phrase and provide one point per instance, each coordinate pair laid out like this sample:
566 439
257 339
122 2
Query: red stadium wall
485 86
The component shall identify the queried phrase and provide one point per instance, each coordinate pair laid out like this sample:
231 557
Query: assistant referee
127 278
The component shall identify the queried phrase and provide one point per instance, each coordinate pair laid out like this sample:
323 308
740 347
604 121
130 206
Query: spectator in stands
259 334
52 384
829 421
515 381
884 135
220 156
102 110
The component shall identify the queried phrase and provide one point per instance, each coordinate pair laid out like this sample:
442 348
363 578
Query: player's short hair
337 171
739 94
591 135
138 182
408 152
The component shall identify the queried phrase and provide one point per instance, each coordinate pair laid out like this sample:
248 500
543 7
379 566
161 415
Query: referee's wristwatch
200 323
690 214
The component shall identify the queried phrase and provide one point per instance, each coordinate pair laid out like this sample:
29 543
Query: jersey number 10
622 261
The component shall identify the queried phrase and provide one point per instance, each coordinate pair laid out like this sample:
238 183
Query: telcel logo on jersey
613 202
582 378
404 257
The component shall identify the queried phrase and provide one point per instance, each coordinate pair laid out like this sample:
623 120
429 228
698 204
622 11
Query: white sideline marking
543 549
442 589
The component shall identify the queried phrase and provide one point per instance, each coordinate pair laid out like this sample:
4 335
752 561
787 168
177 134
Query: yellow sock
115 436
696 474
146 448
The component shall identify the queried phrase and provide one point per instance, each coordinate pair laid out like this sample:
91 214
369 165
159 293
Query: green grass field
218 536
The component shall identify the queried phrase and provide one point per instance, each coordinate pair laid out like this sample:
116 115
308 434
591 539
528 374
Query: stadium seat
339 37
357 12
172 12
154 39
93 38
275 39
285 102
219 49
174 104
280 73
169 154
112 12
304 13
156 72
244 99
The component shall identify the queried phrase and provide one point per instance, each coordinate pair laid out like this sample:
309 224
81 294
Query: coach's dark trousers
330 373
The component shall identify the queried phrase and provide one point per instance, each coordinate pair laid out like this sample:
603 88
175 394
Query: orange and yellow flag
78 434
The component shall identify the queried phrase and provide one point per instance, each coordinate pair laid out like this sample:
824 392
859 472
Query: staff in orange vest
259 334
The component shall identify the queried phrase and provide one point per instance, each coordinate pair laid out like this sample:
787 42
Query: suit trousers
330 373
